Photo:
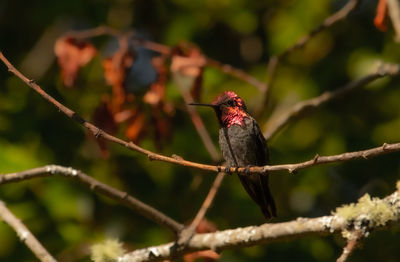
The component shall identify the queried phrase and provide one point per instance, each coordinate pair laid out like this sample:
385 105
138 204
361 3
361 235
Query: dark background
67 217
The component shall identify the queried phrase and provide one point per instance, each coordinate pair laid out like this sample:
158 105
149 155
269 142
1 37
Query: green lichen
366 213
107 251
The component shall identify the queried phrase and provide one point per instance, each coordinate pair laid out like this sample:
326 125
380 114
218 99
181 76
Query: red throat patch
234 116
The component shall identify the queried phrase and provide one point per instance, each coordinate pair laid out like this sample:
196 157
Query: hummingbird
243 145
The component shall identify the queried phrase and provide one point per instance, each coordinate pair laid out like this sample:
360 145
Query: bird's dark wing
260 181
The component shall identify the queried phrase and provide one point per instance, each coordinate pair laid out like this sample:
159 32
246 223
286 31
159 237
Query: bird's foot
228 168
247 170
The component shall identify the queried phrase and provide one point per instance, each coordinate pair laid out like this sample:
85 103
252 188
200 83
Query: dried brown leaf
71 55
135 127
104 119
116 68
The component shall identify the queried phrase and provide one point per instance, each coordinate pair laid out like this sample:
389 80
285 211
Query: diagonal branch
97 132
238 73
24 234
317 160
209 199
197 121
99 187
263 234
328 22
187 233
300 109
275 60
351 245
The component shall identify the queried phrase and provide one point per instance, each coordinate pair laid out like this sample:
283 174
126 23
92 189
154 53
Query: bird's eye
231 103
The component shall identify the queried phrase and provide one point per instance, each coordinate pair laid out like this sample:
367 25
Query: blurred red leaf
206 226
162 126
116 68
104 119
71 55
205 255
135 126
380 20
155 95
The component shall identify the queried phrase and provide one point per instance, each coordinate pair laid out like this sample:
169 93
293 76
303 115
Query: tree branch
300 109
394 12
274 61
208 200
24 234
254 235
99 187
317 160
187 233
197 121
351 245
240 74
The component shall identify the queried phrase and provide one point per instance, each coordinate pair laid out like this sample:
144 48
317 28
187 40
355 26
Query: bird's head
229 107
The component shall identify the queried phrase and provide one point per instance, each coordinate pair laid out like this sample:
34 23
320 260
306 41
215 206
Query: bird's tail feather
257 187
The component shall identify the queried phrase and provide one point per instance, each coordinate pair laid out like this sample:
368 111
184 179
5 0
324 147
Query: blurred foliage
67 217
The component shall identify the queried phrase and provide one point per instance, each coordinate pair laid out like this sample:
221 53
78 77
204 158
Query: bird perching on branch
243 145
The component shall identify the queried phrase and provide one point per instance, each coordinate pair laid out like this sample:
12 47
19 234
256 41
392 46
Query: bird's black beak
201 104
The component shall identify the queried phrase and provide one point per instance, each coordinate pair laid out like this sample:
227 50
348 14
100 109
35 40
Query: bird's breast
237 144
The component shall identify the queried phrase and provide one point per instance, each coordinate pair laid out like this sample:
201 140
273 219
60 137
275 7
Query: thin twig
209 199
24 234
94 32
298 110
275 60
240 74
318 160
255 235
328 22
197 121
99 187
349 248
394 13
187 233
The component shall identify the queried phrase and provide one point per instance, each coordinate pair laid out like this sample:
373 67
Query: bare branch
240 74
99 187
300 109
275 60
24 234
97 132
351 245
240 237
187 233
318 160
209 199
197 121
254 235
394 13
328 22
94 32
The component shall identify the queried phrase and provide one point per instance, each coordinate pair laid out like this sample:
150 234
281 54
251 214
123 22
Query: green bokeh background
67 217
